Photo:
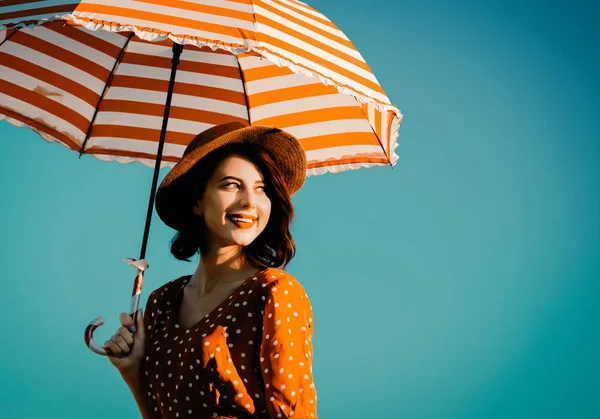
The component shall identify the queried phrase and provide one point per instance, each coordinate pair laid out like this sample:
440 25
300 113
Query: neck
218 266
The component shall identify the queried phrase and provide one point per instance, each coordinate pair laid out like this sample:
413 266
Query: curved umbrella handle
141 265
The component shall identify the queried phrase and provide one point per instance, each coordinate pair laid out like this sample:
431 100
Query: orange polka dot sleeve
286 351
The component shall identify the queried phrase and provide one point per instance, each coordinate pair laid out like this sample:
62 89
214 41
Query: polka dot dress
251 357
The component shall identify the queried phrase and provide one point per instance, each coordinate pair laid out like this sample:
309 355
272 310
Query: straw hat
175 191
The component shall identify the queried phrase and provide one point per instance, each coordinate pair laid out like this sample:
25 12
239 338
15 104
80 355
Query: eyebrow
238 179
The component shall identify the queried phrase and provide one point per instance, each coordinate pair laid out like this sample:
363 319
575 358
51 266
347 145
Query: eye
230 185
261 188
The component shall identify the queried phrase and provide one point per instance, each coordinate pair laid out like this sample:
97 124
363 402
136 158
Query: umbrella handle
141 265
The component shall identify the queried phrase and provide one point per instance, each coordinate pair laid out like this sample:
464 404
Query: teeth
243 220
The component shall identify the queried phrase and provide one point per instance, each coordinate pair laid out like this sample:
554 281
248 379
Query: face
235 206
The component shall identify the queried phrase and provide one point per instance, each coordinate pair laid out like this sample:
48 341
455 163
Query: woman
233 340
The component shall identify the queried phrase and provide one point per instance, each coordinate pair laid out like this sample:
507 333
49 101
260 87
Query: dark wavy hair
274 247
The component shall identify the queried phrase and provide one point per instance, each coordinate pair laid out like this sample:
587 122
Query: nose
248 198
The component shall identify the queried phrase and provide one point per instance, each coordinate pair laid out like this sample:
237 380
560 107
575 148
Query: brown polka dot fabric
251 357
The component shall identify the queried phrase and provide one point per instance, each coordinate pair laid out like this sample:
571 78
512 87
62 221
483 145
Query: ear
197 208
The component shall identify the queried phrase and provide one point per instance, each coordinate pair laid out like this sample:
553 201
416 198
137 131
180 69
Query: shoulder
273 277
278 284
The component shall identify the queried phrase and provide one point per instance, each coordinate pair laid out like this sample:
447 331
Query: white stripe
145 48
231 5
250 62
228 60
127 160
58 95
73 46
331 42
282 36
50 120
301 105
338 78
279 82
111 37
156 73
173 11
139 146
3 35
303 9
341 126
200 79
186 101
323 154
173 29
371 113
52 64
150 122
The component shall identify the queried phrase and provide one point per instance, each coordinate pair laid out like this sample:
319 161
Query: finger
127 322
126 335
114 349
121 343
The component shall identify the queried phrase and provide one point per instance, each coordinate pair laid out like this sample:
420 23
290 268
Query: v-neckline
179 300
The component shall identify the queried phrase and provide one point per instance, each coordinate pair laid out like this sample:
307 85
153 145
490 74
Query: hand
126 349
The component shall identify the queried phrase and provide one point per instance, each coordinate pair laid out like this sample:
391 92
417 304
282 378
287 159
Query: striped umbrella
136 80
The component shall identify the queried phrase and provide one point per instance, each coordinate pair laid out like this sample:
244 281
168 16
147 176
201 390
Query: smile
242 222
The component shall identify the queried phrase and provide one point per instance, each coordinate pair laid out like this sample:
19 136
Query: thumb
139 324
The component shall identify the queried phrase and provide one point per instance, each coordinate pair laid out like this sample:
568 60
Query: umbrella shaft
177 48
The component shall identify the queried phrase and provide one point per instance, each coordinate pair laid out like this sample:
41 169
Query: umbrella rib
376 136
108 81
244 87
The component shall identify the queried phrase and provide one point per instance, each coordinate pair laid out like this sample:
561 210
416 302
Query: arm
136 383
286 351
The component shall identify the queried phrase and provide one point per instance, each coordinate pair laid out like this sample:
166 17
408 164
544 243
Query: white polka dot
206 343
266 370
249 314
280 369
276 356
283 386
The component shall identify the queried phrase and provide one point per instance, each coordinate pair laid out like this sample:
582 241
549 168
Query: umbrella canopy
98 84
138 80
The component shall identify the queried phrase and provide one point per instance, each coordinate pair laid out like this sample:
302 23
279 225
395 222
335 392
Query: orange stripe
61 54
125 153
85 38
202 8
347 160
260 73
308 15
137 133
247 2
351 88
321 61
54 79
313 42
377 124
41 11
195 67
42 102
391 116
179 88
308 26
290 93
166 19
309 117
68 142
176 112
339 140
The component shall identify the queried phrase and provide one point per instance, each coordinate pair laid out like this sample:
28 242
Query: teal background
463 283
